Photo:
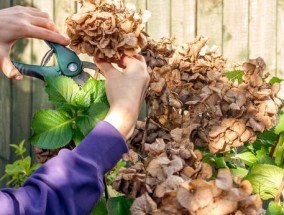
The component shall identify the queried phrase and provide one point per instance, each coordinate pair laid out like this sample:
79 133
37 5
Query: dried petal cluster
192 104
173 180
107 29
190 91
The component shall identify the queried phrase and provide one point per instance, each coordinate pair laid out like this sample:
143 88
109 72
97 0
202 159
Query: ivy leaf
51 129
119 206
265 179
87 121
274 209
236 75
61 90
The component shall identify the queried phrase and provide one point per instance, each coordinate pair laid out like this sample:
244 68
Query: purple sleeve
70 183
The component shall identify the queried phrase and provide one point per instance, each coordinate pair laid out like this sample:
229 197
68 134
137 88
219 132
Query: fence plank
209 20
183 20
262 32
21 91
235 30
280 39
40 98
5 121
140 4
159 23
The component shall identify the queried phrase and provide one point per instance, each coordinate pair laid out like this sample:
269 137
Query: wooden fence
241 28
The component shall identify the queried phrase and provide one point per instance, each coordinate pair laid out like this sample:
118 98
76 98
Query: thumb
9 69
105 67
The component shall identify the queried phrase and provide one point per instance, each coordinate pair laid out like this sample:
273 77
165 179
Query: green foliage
78 111
274 209
21 169
274 80
236 75
265 179
119 206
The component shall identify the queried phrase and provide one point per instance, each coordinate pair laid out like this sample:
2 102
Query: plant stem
279 192
279 139
149 110
106 190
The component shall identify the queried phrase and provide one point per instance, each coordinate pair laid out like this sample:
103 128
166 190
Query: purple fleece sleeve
72 182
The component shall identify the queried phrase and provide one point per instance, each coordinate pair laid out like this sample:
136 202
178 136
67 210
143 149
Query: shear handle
37 71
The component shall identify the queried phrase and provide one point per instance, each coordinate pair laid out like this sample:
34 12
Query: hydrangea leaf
62 91
51 129
87 121
265 179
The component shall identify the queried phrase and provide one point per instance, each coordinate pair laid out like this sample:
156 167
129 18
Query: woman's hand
125 92
23 22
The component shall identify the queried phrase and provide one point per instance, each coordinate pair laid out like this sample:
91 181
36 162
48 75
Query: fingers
46 34
105 67
9 69
43 22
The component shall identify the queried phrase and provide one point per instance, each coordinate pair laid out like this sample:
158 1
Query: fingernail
18 77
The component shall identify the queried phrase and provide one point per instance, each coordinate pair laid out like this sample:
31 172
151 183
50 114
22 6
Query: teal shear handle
37 71
69 64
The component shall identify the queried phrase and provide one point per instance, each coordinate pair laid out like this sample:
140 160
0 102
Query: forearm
70 183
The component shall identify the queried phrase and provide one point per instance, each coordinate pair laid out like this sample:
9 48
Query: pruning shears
69 64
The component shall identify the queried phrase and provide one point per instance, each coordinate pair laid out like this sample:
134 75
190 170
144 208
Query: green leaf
240 172
51 129
101 207
19 149
280 126
247 157
82 100
265 179
96 88
274 209
61 90
119 206
87 121
220 162
78 136
274 80
236 75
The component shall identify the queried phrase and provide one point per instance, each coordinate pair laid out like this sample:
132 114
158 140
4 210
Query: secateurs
69 65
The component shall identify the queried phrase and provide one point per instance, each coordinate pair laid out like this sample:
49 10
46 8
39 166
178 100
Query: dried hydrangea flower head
106 29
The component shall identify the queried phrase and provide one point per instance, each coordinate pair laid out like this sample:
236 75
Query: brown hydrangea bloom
189 90
107 29
191 103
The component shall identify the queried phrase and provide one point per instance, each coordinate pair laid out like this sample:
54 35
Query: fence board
183 20
40 98
235 30
280 38
209 20
159 23
21 91
5 121
262 32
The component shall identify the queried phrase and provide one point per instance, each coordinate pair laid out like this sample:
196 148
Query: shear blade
81 78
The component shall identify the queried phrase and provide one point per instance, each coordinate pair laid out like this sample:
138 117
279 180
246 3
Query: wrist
123 121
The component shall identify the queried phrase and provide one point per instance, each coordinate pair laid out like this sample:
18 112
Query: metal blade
81 78
88 65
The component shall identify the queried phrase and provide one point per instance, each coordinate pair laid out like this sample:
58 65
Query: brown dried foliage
193 104
106 29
